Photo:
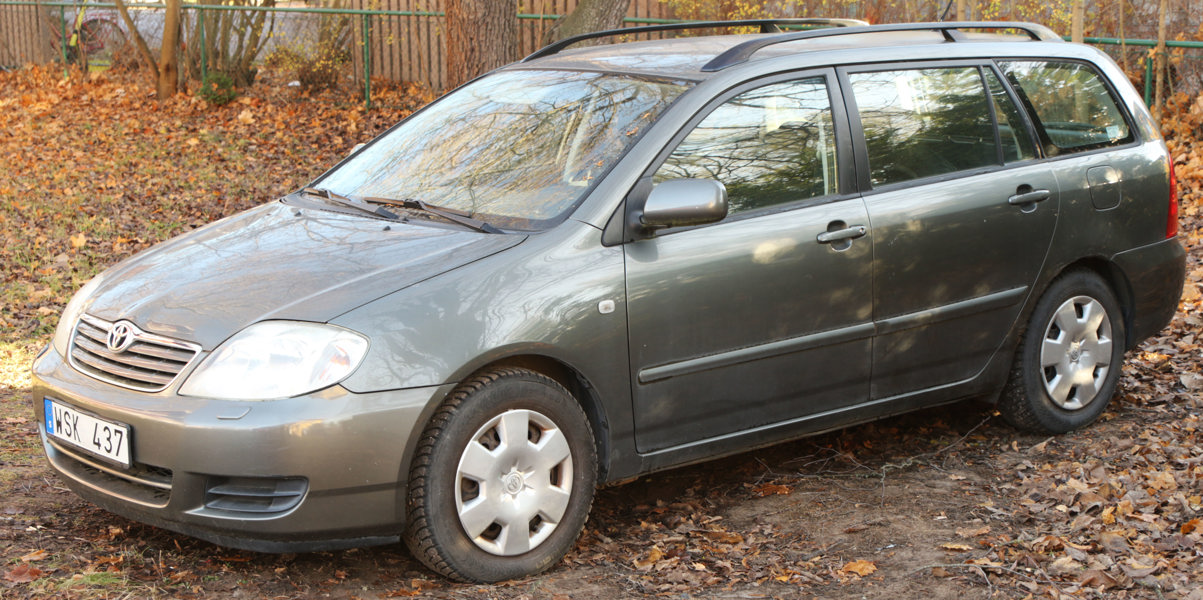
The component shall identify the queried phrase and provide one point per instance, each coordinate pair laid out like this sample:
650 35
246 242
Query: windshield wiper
446 213
378 211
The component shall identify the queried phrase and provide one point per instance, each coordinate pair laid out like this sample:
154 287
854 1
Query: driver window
768 146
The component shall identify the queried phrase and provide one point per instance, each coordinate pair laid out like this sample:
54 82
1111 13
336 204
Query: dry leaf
23 573
859 567
1191 381
35 556
955 547
78 240
649 559
970 533
1137 570
724 537
771 489
1190 526
1095 578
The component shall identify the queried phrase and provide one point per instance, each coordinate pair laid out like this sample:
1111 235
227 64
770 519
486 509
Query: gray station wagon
603 261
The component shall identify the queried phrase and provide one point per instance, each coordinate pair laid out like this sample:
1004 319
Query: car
608 260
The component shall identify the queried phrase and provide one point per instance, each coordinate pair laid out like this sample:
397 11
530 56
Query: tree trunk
1159 61
168 53
139 42
1077 33
482 35
588 16
961 10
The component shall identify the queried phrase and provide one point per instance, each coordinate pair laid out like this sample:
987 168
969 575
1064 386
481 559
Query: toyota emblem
121 336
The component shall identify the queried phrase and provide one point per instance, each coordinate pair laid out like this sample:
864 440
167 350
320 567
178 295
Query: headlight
66 322
277 359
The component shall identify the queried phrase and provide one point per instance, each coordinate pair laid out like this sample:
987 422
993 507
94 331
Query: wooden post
1078 27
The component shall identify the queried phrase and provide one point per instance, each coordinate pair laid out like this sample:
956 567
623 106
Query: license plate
106 439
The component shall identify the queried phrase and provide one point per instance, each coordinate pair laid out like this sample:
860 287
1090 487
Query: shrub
217 89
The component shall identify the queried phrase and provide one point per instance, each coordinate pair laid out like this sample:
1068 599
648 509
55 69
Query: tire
502 479
1069 361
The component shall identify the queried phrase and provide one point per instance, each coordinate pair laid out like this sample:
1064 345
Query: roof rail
765 25
951 31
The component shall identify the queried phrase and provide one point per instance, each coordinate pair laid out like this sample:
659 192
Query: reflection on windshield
514 148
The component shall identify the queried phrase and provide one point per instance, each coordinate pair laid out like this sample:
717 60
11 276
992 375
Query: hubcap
1076 353
513 482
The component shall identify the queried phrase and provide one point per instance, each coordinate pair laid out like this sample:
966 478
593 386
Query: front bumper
315 472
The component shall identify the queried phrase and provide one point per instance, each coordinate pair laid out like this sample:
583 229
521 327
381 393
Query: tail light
1171 222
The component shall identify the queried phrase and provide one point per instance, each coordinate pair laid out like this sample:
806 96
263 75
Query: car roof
696 58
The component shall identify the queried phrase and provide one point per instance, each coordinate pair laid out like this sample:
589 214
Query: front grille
145 484
149 363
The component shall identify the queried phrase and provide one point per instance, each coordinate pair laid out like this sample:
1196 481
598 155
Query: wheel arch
1115 278
561 372
580 388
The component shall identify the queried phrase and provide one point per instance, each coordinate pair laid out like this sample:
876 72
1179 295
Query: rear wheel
1068 364
503 478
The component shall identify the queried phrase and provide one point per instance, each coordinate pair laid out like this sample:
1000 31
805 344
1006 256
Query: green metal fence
365 18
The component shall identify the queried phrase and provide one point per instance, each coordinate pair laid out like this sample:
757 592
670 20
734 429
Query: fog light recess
256 495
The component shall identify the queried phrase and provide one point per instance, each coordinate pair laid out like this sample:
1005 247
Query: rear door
761 318
962 214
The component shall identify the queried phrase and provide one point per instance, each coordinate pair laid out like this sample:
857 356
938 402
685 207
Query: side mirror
684 202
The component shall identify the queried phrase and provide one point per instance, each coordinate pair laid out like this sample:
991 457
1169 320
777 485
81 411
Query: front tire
1069 362
502 480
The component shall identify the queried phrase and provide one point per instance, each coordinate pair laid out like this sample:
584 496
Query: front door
765 317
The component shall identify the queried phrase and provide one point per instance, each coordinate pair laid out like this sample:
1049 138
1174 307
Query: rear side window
924 122
1073 109
769 146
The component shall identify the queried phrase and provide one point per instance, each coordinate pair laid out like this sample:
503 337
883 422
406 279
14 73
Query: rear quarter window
1070 102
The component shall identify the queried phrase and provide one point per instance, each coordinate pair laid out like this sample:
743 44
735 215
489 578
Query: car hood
278 262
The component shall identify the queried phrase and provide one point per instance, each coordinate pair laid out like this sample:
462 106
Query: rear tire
1069 361
503 478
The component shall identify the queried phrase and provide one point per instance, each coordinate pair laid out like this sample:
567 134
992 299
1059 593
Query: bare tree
1078 26
165 70
1159 61
589 15
482 35
169 59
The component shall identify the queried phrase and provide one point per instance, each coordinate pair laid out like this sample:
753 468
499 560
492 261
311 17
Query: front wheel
1069 361
502 480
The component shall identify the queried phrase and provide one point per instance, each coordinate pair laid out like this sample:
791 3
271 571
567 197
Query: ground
944 503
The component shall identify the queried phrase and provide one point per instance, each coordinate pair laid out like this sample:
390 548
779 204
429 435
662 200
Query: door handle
1030 197
850 233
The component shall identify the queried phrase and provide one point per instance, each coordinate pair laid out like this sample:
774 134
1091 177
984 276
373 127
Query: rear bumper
315 472
1155 273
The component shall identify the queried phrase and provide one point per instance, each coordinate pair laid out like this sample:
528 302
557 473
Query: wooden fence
23 36
410 48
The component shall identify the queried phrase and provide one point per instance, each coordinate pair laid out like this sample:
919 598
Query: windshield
517 149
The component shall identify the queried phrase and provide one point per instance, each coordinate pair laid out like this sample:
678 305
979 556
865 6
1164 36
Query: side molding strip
743 355
835 336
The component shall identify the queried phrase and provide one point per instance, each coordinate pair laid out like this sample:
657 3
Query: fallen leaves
861 568
96 170
23 573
